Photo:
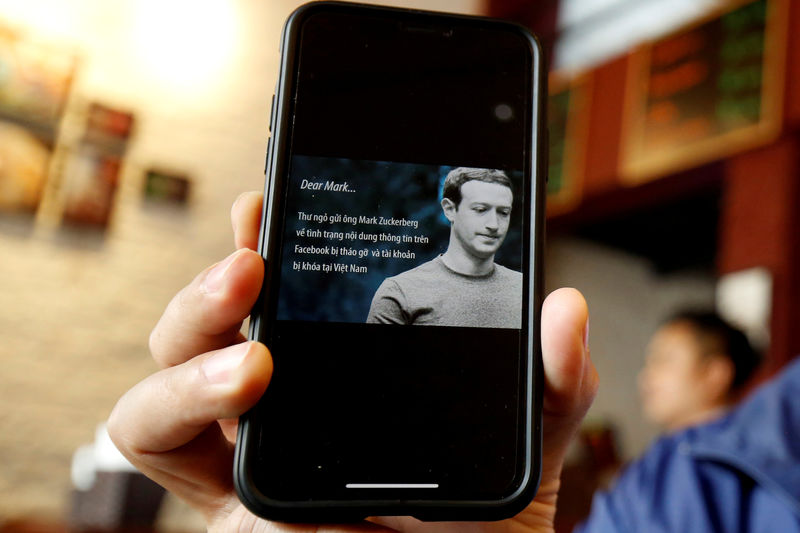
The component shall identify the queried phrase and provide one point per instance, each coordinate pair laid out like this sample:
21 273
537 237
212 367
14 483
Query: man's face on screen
480 221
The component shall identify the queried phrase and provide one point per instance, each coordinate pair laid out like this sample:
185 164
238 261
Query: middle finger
207 314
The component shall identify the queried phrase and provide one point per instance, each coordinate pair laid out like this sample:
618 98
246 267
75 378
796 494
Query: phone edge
494 510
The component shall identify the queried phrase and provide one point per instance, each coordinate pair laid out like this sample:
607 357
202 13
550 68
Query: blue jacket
740 473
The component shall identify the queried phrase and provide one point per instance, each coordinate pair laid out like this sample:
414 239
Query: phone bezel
278 156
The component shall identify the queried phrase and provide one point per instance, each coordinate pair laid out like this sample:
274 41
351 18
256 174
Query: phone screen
398 374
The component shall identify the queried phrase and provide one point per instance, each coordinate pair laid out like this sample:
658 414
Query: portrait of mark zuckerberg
463 286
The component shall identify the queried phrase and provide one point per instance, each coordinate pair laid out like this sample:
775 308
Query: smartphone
402 239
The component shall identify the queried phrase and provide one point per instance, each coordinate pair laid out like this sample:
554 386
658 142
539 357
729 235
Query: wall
627 301
76 308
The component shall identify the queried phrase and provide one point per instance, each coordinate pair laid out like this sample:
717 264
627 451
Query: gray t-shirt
432 294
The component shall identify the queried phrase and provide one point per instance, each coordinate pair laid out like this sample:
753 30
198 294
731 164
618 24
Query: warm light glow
186 44
47 18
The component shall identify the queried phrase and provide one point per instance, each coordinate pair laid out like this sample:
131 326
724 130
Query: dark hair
717 337
459 176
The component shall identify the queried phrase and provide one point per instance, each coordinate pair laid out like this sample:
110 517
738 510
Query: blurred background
128 128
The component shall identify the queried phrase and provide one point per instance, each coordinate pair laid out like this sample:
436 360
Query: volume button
271 112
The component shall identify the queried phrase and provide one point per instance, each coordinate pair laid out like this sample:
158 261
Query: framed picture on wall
35 79
166 187
91 168
568 123
24 163
90 185
709 90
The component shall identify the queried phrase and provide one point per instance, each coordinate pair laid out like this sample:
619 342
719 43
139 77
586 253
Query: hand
178 426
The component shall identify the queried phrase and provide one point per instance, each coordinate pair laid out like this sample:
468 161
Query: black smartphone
402 237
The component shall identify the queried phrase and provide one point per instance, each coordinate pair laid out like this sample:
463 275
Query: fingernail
219 367
216 276
586 335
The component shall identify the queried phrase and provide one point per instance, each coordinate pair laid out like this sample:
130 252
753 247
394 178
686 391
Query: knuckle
169 388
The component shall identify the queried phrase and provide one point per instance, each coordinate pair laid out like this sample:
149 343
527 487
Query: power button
266 160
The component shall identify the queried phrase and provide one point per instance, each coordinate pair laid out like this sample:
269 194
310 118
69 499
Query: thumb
571 379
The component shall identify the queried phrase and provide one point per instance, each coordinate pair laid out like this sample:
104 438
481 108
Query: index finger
198 320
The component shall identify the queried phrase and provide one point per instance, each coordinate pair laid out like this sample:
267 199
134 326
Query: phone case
247 438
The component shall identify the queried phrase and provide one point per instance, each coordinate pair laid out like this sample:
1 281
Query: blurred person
720 467
696 367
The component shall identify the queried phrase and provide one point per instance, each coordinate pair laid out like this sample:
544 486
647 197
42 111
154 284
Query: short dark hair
459 176
717 337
